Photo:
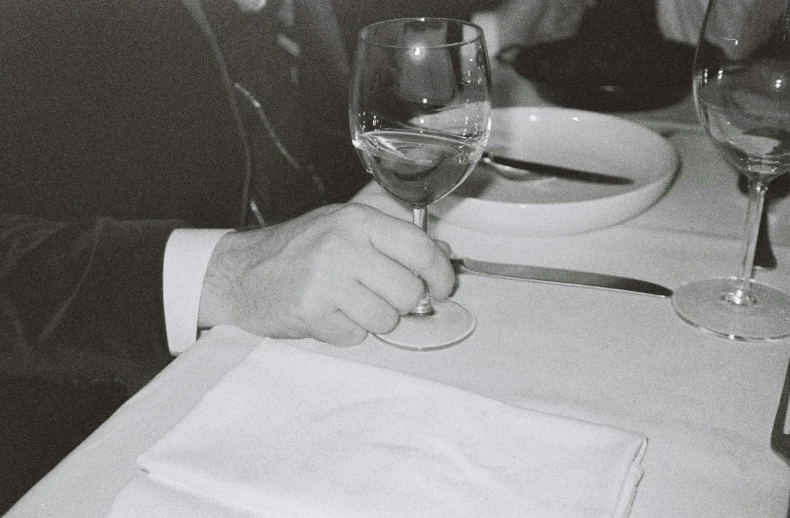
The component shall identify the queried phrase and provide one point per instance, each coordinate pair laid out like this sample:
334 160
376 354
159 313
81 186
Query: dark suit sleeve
115 119
83 298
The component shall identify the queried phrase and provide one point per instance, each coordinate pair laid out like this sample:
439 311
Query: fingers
445 248
410 247
337 329
535 22
395 285
402 242
368 311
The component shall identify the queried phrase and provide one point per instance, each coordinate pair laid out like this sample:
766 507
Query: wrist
221 282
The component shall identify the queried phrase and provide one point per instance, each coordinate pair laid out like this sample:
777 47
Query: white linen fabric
290 432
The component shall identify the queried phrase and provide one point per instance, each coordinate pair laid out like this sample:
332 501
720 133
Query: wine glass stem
743 291
420 218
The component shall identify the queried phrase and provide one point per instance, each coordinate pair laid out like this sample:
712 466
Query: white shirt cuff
187 255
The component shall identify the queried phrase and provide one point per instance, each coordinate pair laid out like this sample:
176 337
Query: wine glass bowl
741 85
420 117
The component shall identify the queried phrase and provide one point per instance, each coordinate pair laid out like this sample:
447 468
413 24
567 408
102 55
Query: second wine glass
420 117
742 93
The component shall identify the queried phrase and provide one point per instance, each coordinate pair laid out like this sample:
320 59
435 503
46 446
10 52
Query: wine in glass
741 82
420 116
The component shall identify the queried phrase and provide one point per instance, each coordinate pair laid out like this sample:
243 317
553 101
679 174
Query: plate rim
447 210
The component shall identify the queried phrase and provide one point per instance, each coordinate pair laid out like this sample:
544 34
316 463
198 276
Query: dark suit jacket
117 125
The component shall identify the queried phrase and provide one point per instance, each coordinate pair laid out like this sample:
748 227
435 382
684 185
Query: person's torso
121 109
114 109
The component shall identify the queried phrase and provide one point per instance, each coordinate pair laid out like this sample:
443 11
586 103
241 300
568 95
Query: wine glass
741 84
420 116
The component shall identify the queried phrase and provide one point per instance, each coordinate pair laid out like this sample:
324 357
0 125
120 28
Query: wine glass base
449 324
705 304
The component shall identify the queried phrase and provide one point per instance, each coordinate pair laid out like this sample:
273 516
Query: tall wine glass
420 116
741 85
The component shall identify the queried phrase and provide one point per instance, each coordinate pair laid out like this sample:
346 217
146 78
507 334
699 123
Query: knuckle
330 245
353 213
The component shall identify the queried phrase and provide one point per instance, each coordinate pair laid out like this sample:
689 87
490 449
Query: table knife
524 168
560 276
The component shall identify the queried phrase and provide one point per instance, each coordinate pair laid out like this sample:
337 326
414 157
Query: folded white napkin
294 433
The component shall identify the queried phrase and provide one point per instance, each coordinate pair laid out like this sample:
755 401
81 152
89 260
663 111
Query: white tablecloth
295 433
706 404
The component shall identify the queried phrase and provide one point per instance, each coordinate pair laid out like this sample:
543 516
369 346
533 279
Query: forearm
84 299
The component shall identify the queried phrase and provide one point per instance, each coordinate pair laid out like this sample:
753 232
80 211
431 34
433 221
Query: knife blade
560 276
566 173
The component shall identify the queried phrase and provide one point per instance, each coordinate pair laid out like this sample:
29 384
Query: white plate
578 139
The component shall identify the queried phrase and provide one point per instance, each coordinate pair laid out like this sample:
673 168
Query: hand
529 23
334 274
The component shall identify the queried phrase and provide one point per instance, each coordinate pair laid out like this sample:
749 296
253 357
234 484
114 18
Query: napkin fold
290 432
